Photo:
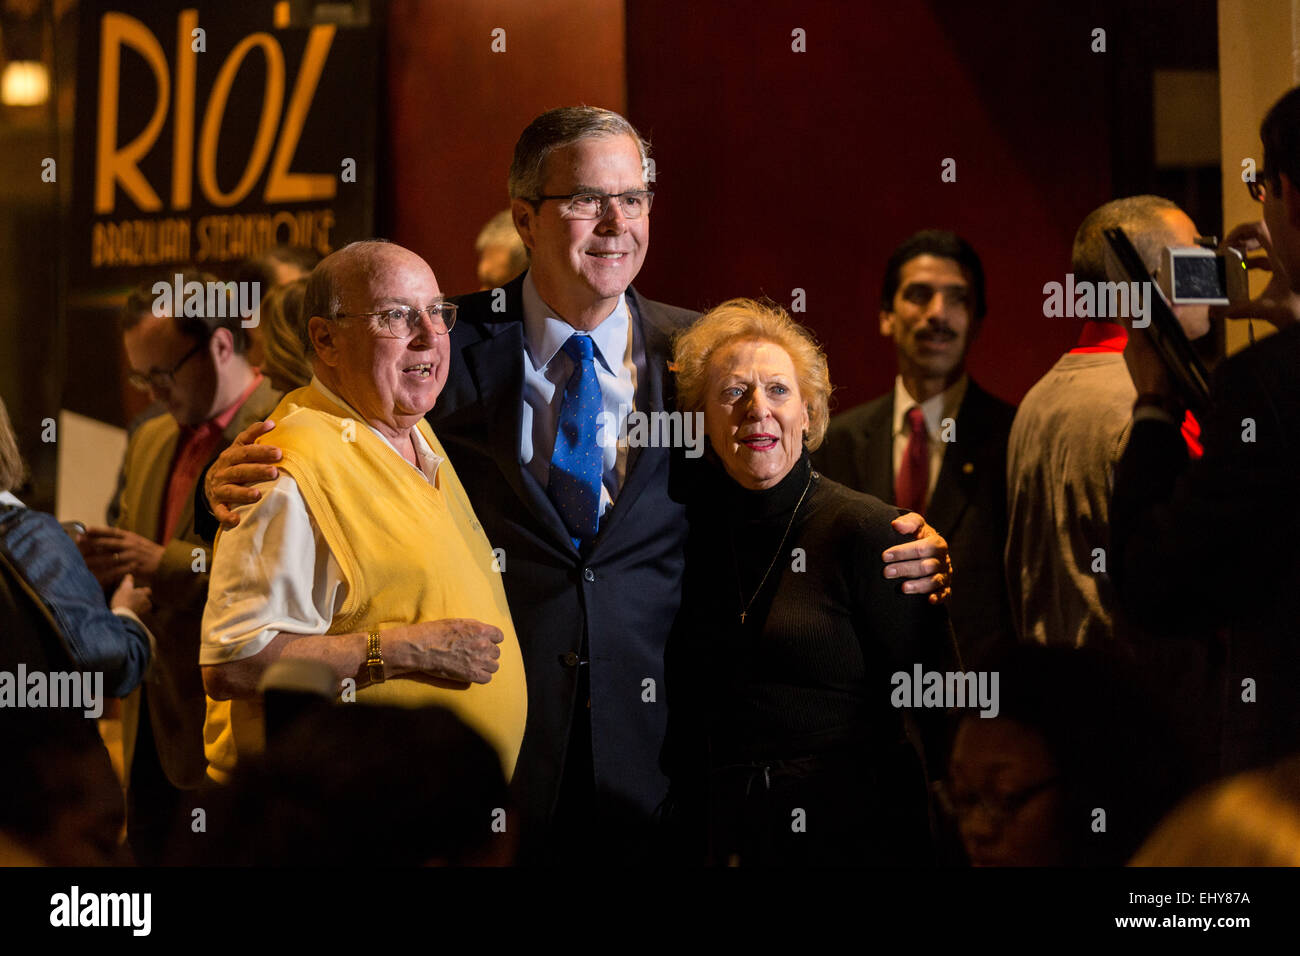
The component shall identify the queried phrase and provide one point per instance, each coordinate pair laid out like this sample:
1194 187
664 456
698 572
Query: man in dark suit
1212 541
937 442
592 560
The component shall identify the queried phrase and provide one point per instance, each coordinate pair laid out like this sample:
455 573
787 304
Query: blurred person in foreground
779 667
298 804
364 551
61 803
108 638
1076 767
1252 819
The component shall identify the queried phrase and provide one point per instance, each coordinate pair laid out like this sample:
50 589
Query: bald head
385 368
368 265
1150 222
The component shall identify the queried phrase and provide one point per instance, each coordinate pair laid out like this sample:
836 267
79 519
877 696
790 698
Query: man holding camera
1211 541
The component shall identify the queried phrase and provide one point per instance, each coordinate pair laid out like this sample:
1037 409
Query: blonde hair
1252 819
12 469
283 333
742 320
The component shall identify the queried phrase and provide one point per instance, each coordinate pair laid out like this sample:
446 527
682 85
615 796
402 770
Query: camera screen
1199 277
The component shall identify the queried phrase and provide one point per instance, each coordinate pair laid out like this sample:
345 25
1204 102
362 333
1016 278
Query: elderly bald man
364 551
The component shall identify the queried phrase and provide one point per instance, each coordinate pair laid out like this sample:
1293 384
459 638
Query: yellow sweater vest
409 551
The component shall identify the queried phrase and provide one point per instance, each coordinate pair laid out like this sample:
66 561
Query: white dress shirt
546 370
935 409
274 572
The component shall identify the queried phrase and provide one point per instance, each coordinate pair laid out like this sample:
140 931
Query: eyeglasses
999 810
1256 188
162 379
633 204
404 321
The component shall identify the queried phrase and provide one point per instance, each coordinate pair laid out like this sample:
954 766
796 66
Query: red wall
780 170
455 109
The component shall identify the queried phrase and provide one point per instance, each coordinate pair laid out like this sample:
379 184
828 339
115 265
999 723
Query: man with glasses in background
195 366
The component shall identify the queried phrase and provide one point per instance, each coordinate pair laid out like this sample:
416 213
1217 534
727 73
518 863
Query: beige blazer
174 684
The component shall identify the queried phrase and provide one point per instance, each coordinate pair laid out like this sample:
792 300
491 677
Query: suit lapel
959 474
496 365
656 394
157 460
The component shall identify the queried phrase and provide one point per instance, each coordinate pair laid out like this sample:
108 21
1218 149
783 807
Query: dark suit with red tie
968 506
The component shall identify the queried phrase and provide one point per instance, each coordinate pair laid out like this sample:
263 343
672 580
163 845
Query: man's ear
321 331
887 324
222 346
523 213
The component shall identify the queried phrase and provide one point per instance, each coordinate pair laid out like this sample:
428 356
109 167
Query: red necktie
913 482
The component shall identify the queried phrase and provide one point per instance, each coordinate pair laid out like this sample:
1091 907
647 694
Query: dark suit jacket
1213 544
969 505
622 595
174 687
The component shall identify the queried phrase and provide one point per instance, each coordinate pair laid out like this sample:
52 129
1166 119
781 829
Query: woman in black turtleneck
783 745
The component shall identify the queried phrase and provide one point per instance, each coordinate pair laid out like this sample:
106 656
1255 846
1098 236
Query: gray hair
1141 218
556 129
322 296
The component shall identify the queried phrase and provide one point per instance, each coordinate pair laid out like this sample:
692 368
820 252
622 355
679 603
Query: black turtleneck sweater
808 671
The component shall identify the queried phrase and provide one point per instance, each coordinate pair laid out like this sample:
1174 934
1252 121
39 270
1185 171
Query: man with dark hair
937 443
1067 436
192 359
1212 528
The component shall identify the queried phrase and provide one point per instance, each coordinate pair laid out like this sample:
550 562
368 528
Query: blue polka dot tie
578 459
